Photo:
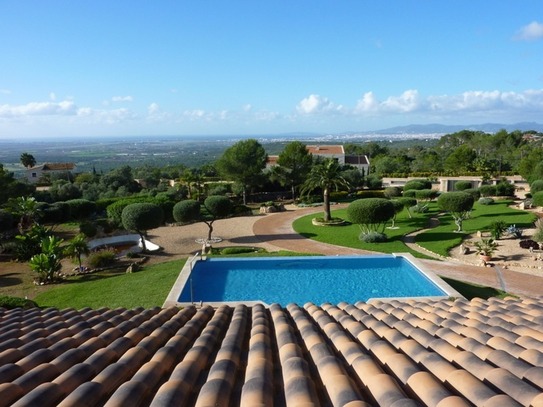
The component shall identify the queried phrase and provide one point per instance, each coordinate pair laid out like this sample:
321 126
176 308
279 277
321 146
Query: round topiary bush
487 190
371 213
462 185
140 217
186 211
458 204
417 184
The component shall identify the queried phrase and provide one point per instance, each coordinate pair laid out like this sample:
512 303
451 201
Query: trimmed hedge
487 190
537 198
462 185
9 302
456 201
364 194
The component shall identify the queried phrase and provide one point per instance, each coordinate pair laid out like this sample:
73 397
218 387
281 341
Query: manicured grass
442 238
470 290
146 288
348 235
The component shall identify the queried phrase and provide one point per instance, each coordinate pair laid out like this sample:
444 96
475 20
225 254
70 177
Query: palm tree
76 248
27 160
325 175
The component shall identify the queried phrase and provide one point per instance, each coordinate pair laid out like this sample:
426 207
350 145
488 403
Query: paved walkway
276 230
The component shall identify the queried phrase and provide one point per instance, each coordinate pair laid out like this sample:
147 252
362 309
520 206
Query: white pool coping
184 275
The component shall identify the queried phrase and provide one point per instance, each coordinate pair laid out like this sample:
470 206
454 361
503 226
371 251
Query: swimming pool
316 279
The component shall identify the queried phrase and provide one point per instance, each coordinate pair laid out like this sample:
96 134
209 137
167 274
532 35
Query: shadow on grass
439 236
471 291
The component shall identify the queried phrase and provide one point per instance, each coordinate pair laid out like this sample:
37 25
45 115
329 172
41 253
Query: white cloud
530 32
408 101
368 103
153 108
38 109
314 104
122 99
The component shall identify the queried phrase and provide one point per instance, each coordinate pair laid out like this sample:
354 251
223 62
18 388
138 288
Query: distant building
335 152
34 174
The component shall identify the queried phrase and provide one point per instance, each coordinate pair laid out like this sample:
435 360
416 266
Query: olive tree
215 207
140 217
371 214
458 204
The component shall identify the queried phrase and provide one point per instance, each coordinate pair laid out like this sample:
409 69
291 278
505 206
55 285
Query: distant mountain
445 129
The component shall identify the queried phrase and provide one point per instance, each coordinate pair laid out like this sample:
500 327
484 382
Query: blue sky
120 68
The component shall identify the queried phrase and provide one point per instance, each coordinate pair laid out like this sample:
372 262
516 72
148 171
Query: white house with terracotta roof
34 174
335 152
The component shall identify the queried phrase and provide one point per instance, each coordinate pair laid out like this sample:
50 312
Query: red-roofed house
336 152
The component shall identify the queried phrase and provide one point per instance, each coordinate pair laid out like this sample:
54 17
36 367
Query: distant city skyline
82 69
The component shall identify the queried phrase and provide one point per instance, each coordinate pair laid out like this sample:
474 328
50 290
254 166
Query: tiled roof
325 149
356 159
54 167
399 353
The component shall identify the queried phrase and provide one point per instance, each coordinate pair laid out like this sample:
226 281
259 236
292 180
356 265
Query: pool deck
276 230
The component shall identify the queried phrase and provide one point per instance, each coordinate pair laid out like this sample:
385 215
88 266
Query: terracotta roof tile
397 353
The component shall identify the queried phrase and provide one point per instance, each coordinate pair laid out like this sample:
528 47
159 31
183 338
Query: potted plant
485 248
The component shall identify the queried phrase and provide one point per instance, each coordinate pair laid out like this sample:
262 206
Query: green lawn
147 288
439 240
348 235
443 238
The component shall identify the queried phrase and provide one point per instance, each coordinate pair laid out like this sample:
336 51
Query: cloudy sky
203 67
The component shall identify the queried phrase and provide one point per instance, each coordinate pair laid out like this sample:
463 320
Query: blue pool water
306 279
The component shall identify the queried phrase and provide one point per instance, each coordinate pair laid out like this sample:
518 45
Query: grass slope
146 288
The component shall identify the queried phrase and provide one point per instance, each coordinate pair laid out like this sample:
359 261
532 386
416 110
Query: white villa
34 174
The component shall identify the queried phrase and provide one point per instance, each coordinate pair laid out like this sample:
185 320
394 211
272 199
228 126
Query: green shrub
486 201
370 194
102 258
462 185
241 210
497 229
417 184
81 208
371 213
88 228
337 196
16 302
392 192
186 211
410 193
143 216
487 190
505 188
537 198
475 193
7 221
238 250
536 186
373 237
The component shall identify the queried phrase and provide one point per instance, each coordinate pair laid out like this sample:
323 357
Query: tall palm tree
76 248
325 175
27 160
